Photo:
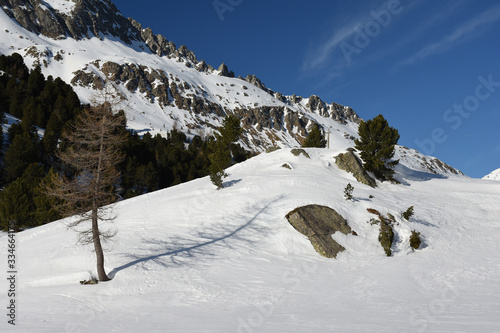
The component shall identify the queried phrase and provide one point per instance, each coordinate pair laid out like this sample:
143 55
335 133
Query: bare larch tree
88 186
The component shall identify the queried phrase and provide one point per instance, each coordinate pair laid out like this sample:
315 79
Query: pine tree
376 145
21 152
17 205
315 139
46 210
220 156
348 192
93 152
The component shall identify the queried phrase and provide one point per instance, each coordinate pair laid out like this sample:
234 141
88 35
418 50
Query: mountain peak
89 42
494 175
78 19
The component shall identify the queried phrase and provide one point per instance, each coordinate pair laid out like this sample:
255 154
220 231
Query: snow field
193 259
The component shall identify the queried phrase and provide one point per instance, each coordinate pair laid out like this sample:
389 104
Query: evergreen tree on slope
376 145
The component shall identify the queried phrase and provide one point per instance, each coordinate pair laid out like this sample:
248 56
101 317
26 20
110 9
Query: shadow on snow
219 235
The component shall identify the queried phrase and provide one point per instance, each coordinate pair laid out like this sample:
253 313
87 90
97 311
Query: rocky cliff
195 101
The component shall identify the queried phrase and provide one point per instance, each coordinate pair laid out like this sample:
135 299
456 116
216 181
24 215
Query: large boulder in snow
318 223
349 162
299 151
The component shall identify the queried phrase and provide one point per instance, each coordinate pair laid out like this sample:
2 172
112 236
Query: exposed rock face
86 17
89 18
264 125
252 79
338 112
156 43
224 71
350 163
318 223
299 151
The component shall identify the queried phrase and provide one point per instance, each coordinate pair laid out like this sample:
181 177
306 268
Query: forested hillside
45 108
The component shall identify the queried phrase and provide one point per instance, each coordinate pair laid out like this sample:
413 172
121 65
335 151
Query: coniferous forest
28 158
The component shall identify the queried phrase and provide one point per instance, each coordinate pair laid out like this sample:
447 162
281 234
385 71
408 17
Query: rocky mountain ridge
279 118
90 44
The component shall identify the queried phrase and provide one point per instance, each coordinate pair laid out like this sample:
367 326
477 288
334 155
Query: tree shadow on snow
220 236
427 224
232 182
403 174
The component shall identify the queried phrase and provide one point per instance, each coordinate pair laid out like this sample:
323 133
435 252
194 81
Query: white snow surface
494 175
63 6
193 259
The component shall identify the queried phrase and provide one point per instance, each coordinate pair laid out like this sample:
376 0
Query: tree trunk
95 224
98 248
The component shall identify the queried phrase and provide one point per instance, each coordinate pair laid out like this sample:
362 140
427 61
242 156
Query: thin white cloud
329 55
318 57
488 17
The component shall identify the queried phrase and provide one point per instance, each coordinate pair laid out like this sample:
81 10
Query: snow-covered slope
494 175
193 259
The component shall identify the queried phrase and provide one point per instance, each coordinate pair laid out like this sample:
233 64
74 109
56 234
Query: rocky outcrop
318 223
86 19
299 151
158 44
224 71
315 104
349 162
338 112
284 118
252 79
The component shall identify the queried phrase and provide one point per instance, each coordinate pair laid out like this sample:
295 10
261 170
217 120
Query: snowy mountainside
494 175
162 86
87 43
190 258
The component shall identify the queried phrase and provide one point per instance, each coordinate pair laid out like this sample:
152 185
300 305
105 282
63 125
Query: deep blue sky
422 64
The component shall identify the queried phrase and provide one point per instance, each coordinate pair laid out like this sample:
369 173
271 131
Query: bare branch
93 151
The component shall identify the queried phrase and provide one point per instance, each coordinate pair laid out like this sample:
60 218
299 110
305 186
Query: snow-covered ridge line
161 92
494 175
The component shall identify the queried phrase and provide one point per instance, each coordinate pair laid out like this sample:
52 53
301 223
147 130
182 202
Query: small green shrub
386 237
415 240
348 192
408 213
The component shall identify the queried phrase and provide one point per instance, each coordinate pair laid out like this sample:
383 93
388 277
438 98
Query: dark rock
271 149
349 162
299 151
224 71
252 79
318 223
316 105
